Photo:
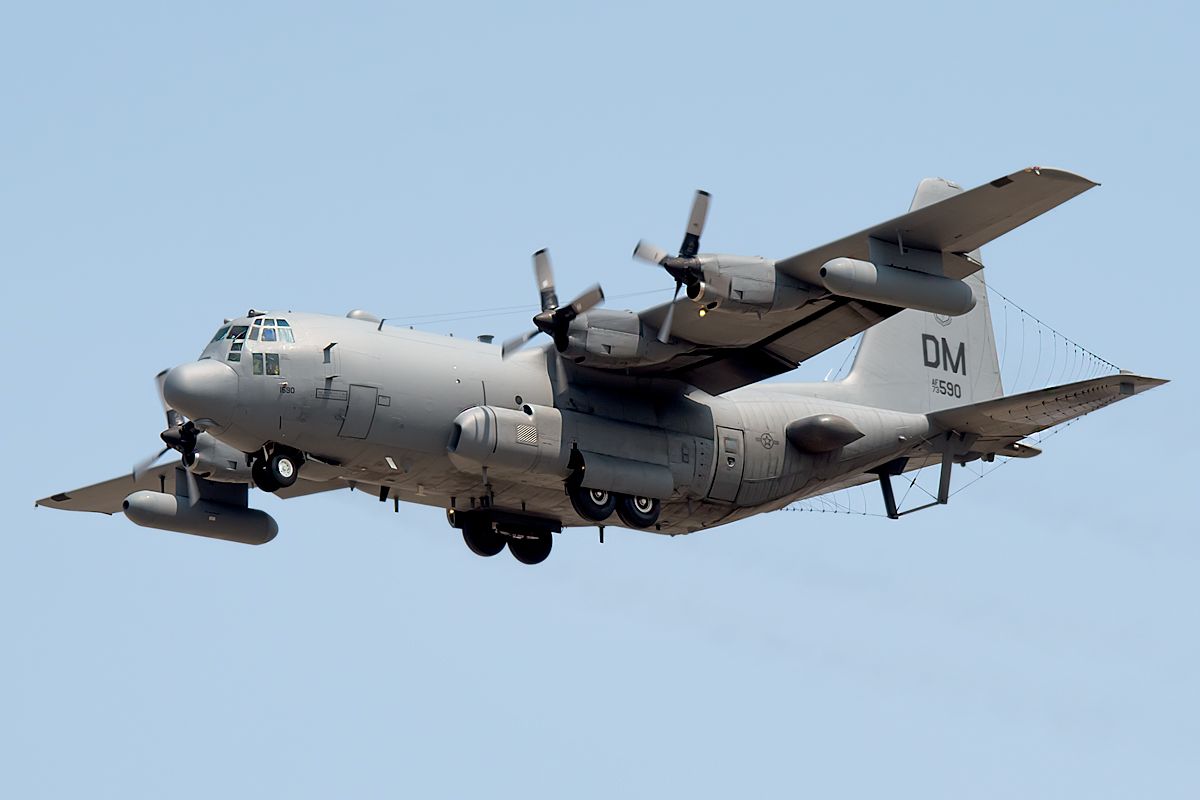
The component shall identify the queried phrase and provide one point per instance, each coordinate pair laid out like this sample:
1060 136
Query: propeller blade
514 344
691 239
544 272
590 298
172 414
649 253
560 374
664 333
193 488
140 468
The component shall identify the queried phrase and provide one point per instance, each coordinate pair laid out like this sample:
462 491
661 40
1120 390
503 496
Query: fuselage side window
272 363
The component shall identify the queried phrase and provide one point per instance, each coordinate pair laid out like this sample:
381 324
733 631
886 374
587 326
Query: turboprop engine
749 284
217 461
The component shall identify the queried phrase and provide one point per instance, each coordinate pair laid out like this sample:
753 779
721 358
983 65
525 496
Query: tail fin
921 362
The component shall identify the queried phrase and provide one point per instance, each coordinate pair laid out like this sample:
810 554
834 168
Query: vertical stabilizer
922 362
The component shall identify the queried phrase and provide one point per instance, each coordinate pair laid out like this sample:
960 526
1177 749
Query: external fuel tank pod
169 512
904 288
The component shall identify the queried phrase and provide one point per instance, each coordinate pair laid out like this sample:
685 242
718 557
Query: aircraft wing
736 349
107 497
957 225
1019 415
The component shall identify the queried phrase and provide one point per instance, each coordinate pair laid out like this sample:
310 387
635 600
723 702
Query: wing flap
958 224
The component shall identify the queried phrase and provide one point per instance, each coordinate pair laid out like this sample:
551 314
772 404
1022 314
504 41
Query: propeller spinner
553 320
685 267
179 435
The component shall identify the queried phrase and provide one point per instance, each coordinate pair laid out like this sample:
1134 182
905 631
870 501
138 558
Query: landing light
703 312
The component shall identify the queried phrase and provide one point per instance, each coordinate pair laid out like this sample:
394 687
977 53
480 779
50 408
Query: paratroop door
360 412
727 466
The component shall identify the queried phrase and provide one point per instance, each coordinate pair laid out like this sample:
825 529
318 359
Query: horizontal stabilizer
958 224
1020 415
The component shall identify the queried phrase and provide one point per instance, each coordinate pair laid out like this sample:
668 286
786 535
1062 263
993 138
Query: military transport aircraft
649 419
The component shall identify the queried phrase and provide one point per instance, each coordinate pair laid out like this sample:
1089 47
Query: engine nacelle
748 284
613 338
206 518
508 441
219 462
903 288
542 445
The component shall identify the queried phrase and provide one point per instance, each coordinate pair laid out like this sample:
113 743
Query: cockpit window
271 330
238 331
220 334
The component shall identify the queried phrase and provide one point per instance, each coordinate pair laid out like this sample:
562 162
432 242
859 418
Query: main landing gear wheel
592 504
638 512
261 473
531 548
283 468
482 540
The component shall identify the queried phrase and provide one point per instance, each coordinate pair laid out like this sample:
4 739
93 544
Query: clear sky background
163 167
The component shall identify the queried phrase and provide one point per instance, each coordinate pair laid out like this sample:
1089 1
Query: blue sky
163 168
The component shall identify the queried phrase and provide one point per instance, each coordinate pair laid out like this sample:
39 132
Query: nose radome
202 390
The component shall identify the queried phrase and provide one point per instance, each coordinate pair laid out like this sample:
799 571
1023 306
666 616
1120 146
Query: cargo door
360 412
727 466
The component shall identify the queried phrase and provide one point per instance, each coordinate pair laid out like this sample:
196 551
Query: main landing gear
276 471
487 531
597 505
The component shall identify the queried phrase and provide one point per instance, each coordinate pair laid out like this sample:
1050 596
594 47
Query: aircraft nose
202 390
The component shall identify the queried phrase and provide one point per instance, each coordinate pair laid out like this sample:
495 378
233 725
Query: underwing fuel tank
903 288
214 520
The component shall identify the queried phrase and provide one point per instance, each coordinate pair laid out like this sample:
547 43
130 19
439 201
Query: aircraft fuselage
382 406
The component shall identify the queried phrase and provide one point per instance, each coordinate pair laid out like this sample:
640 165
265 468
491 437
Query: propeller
685 267
553 320
179 435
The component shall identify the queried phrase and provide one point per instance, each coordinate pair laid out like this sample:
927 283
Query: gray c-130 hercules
648 420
